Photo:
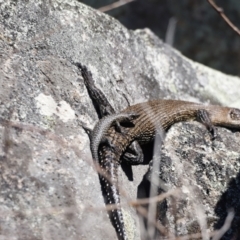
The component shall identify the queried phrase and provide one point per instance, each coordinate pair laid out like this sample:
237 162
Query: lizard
133 154
102 105
152 115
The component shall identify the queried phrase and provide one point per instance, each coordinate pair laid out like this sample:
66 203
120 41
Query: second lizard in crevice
133 154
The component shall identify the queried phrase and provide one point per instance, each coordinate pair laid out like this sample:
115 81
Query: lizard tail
109 184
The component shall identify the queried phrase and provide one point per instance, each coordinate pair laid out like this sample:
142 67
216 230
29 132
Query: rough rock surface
49 188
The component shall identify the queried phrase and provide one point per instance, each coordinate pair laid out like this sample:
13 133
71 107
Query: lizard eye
235 114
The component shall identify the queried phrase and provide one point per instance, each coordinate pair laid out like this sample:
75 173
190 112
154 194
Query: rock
49 188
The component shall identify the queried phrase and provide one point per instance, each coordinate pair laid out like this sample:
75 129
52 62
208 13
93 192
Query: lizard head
225 116
234 118
235 114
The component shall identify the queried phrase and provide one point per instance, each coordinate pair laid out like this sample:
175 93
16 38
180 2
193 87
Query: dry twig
114 5
220 11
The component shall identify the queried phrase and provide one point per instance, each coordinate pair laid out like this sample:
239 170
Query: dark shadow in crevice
230 199
144 192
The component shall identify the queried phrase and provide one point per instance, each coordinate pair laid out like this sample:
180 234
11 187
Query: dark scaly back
109 183
155 114
164 113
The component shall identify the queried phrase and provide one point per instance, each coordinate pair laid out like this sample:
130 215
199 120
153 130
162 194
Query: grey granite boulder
49 188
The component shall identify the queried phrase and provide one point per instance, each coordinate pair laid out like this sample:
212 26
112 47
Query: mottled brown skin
153 115
164 113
